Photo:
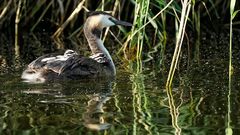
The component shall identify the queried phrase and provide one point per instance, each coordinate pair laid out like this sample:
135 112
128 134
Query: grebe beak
118 22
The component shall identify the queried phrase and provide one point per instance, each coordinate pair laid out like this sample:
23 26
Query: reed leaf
235 13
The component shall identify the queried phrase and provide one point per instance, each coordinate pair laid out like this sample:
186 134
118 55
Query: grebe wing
78 66
39 63
52 62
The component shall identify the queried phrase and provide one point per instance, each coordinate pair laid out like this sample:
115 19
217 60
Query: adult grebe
71 65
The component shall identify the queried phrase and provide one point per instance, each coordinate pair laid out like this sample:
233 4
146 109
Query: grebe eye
110 19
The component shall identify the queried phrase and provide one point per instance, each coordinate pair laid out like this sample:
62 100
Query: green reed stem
141 16
151 19
228 130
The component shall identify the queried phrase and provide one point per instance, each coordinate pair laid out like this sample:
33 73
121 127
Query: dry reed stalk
61 9
4 11
42 15
17 19
186 6
73 14
113 13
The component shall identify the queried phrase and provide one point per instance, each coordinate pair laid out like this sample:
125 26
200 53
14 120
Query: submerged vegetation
159 26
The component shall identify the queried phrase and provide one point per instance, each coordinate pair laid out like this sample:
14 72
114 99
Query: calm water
133 103
200 102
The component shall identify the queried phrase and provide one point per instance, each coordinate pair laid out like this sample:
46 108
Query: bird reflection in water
94 117
98 93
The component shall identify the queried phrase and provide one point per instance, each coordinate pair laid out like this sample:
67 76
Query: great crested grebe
71 65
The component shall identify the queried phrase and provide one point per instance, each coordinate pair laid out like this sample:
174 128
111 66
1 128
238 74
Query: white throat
105 51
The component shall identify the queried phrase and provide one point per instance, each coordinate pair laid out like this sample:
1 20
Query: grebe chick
71 65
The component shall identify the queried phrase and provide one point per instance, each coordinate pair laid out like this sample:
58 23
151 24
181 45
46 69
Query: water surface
133 103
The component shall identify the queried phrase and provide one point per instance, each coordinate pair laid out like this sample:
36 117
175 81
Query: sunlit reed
228 130
186 6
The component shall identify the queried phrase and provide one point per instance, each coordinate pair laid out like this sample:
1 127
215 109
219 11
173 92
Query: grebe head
93 27
100 20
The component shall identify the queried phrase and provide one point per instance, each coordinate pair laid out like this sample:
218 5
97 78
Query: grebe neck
92 34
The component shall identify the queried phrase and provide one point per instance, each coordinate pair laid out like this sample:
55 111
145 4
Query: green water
133 103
